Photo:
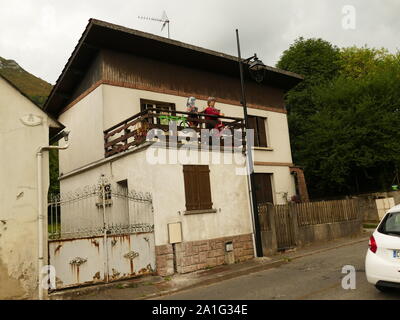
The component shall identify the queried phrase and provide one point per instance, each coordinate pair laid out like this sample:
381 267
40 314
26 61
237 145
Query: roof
103 35
59 125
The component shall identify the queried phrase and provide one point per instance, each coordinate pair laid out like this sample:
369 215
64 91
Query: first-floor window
260 134
197 187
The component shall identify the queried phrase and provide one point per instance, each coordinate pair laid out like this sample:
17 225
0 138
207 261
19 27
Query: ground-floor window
197 187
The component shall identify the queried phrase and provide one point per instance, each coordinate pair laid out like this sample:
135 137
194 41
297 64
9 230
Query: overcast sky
41 34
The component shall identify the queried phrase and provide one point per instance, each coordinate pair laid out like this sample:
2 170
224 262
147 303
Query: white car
382 263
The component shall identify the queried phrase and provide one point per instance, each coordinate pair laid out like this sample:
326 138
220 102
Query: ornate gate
100 233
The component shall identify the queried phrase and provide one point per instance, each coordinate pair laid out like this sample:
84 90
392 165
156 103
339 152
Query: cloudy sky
41 34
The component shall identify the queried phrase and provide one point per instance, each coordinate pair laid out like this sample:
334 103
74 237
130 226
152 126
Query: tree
343 118
318 61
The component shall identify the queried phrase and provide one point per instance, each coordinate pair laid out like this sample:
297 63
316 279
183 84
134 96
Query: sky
41 34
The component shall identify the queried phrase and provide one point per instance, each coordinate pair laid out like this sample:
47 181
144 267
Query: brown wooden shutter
253 125
262 134
197 187
204 187
191 187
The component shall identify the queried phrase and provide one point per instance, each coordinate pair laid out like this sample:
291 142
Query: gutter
41 216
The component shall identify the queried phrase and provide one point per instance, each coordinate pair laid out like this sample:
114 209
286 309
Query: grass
54 228
370 225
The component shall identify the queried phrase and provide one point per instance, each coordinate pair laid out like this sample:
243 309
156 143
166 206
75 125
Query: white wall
86 140
166 184
18 193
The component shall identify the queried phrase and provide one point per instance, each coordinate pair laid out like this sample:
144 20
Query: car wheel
384 289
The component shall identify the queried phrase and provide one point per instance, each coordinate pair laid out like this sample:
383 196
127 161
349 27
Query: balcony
134 131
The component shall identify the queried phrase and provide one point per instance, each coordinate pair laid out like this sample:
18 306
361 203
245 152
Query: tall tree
344 117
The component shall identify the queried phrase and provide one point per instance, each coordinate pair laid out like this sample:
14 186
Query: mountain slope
34 87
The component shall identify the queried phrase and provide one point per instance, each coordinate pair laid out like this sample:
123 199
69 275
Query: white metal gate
101 233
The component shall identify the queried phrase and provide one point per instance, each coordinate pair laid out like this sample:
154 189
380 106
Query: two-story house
118 84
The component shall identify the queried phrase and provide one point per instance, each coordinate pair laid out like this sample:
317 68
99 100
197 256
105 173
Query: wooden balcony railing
133 131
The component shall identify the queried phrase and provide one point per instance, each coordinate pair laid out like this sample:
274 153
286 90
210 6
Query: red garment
211 111
215 112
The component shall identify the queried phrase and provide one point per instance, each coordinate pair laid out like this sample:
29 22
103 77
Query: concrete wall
328 231
18 193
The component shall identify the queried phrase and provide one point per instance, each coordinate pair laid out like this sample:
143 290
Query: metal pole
103 191
257 233
40 223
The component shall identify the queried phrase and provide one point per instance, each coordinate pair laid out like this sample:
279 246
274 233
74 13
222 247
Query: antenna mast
164 19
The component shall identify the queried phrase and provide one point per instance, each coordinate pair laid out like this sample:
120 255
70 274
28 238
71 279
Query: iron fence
93 210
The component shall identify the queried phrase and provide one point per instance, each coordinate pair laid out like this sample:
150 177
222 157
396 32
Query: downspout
39 157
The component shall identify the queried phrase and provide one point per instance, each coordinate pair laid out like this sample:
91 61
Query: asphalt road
318 276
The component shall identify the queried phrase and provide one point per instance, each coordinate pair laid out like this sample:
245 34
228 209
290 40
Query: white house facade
119 84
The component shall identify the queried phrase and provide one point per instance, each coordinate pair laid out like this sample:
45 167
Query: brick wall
301 183
197 255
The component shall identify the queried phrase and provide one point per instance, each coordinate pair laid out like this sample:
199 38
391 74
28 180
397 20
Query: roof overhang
103 35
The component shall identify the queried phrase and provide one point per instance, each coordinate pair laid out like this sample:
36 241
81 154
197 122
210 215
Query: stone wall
198 255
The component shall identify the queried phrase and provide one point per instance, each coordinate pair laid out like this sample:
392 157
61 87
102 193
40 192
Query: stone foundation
197 255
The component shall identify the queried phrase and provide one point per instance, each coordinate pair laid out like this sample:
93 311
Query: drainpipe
39 157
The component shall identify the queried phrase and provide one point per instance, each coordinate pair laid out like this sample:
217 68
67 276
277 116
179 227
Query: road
309 278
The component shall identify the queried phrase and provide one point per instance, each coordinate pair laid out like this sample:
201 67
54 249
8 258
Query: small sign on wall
175 232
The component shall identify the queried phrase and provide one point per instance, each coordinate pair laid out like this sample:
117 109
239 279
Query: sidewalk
153 286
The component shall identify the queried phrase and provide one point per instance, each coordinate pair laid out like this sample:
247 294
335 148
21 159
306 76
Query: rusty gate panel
77 261
130 255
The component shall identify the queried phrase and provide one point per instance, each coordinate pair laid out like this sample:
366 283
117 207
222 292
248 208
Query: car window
391 223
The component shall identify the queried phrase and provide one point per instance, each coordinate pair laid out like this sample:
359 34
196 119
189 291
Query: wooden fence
290 224
312 213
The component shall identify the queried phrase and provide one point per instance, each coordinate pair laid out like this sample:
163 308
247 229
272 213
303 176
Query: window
391 224
197 187
165 108
260 134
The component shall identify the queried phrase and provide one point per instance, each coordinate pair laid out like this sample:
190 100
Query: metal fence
93 210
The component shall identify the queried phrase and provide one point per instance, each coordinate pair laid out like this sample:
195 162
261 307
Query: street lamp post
257 70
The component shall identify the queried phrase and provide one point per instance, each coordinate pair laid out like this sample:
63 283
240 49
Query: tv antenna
164 19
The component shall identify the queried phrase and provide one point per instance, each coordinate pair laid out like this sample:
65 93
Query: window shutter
191 187
253 125
197 187
204 187
262 134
